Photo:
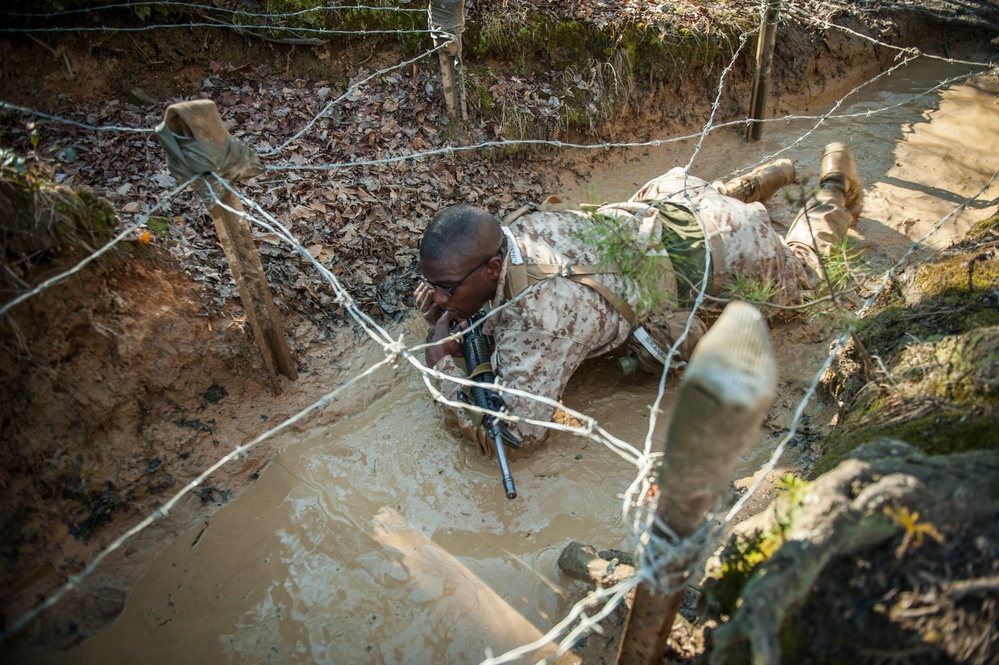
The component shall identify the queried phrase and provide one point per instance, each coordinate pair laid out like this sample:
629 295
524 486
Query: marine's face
463 285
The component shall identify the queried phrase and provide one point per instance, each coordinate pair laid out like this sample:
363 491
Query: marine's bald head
460 233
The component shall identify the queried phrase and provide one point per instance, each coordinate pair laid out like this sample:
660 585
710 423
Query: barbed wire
75 123
163 510
811 18
212 8
507 143
347 93
608 145
239 27
611 598
654 411
634 510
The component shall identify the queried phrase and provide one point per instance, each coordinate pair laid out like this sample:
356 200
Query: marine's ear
494 267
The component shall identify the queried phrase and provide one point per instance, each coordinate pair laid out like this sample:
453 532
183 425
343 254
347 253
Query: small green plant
914 529
752 289
843 266
159 226
641 262
789 507
743 555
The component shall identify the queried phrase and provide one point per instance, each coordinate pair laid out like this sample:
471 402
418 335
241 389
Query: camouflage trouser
744 243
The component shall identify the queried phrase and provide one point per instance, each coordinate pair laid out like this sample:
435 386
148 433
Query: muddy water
378 539
918 161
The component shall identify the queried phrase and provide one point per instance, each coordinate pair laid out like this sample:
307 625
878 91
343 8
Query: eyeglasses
449 290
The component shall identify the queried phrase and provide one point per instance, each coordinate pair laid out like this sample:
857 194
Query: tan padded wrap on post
187 156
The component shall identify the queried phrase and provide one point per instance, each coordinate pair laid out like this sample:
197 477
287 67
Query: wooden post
761 79
451 81
447 20
724 397
201 120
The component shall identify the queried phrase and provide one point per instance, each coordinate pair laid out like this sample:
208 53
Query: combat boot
839 169
761 183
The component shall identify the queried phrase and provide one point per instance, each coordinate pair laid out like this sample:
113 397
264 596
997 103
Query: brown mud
167 390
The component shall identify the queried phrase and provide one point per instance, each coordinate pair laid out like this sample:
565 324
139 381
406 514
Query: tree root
843 513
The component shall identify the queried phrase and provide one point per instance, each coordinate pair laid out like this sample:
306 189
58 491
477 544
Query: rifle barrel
474 346
508 487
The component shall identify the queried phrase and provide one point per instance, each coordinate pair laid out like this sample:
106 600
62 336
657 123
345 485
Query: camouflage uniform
542 339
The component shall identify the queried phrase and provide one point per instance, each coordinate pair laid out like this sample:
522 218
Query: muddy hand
429 310
441 331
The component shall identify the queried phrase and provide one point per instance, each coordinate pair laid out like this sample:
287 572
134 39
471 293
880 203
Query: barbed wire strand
240 28
809 18
212 8
611 596
506 143
381 72
160 512
65 121
654 411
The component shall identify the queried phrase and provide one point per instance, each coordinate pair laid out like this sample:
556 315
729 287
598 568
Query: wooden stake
451 81
201 120
724 397
761 79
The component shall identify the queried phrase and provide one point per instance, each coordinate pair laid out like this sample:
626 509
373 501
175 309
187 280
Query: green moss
742 556
961 274
935 337
956 299
943 431
966 368
554 43
159 226
986 230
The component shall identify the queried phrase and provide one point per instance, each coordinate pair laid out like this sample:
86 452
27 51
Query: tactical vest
522 274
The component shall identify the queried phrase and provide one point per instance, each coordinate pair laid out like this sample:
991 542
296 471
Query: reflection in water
379 540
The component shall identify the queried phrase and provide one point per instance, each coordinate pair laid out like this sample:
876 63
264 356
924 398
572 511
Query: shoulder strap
520 276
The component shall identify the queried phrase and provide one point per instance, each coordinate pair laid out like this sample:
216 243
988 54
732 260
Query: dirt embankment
124 382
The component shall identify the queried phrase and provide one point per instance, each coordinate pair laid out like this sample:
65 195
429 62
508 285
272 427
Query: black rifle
476 355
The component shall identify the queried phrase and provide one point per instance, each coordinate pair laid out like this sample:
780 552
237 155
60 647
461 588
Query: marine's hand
429 310
439 331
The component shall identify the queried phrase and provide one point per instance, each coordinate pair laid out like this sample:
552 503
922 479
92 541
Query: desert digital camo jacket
543 337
